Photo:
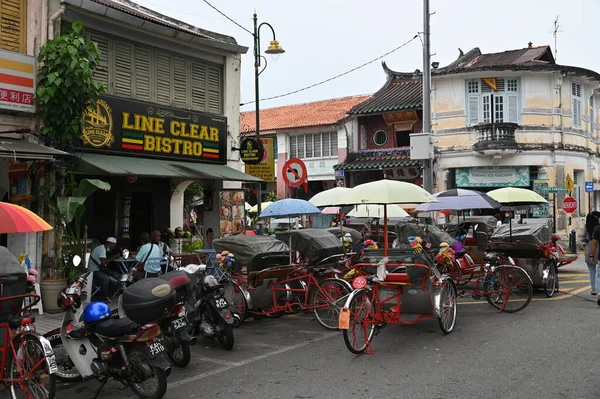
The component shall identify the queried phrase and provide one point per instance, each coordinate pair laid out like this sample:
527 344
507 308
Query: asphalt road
548 350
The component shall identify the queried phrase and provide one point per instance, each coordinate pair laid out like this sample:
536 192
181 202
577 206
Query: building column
178 189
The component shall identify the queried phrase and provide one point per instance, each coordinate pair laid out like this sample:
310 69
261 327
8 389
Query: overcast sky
324 38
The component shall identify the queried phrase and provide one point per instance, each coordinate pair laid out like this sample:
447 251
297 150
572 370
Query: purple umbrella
459 199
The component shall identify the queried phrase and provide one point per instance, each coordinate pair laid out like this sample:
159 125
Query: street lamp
275 51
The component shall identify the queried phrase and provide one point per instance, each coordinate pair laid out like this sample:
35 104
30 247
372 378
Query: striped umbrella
16 219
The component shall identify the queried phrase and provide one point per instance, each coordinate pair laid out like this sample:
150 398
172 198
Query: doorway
141 216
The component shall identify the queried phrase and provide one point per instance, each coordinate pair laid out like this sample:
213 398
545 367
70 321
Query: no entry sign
569 204
294 172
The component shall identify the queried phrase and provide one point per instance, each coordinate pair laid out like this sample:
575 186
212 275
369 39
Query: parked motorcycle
130 351
212 315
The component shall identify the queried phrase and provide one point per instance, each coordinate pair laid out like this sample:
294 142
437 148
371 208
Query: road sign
294 172
552 190
569 204
589 186
569 183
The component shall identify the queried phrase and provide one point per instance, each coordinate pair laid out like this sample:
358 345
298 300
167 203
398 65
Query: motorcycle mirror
76 260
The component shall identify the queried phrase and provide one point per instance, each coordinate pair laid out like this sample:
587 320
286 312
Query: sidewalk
47 321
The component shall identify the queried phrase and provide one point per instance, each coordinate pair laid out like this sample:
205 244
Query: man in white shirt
99 262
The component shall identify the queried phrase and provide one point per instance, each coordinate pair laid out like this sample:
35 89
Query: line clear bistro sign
17 81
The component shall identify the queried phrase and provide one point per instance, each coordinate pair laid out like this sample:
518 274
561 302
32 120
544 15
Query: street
546 350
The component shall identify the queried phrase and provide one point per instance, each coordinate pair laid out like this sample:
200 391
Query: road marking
554 298
218 361
574 274
574 281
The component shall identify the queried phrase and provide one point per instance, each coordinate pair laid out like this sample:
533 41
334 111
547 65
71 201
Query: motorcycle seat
115 327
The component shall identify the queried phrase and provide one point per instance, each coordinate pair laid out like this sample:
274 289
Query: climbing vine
66 87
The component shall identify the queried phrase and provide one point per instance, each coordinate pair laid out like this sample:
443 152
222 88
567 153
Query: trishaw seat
397 278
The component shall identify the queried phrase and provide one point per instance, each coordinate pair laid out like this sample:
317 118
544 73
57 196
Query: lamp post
274 50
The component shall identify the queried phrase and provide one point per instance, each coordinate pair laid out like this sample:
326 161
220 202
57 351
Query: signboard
404 173
121 126
294 172
569 204
321 169
17 81
553 190
493 176
569 183
265 170
252 150
231 212
589 186
542 211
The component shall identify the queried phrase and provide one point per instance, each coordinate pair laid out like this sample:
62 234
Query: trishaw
405 289
271 286
529 247
468 228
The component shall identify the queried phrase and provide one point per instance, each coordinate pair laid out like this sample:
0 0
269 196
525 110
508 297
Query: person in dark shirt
592 228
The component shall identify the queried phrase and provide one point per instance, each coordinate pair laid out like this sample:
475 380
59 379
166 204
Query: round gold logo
97 125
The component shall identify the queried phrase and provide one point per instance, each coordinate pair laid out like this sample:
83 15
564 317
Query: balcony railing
495 136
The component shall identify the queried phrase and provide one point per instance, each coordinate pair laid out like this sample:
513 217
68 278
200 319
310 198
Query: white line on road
218 361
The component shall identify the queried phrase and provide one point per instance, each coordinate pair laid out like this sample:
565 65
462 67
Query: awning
18 148
378 160
133 166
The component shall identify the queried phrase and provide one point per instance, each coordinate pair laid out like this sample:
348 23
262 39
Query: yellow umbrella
263 205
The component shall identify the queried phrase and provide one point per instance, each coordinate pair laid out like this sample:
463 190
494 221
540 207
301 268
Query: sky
324 38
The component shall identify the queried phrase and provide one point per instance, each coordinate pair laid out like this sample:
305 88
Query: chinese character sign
17 81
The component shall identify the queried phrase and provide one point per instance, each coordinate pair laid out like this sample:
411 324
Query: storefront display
231 212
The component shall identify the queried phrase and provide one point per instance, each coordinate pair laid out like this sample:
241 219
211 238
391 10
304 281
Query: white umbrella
376 211
329 197
247 206
263 205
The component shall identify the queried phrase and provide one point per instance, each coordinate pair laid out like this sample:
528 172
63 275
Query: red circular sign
569 204
294 172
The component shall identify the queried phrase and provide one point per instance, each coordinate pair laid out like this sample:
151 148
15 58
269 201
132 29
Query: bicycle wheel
550 281
328 298
30 360
447 315
359 335
511 289
235 296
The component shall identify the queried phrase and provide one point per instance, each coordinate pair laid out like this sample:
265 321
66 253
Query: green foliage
65 87
189 246
193 193
271 196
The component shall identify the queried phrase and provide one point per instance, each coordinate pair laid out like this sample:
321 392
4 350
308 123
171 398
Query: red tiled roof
318 113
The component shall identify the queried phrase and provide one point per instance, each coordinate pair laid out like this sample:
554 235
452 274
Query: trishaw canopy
314 244
538 234
432 234
245 247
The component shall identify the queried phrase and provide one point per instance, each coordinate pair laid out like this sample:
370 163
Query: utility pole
428 163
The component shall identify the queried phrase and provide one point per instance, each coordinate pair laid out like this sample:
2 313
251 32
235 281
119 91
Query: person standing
149 256
591 236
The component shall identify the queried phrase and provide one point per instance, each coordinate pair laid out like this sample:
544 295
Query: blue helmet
95 311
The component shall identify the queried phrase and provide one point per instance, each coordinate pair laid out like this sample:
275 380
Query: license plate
155 349
179 323
221 303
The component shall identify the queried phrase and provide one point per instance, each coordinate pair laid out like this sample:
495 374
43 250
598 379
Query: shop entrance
141 216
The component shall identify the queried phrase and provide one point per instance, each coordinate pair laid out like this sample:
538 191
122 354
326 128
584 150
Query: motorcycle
101 347
212 316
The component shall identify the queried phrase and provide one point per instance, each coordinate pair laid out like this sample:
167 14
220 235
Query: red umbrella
16 219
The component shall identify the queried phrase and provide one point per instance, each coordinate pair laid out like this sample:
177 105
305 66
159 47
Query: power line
217 10
334 77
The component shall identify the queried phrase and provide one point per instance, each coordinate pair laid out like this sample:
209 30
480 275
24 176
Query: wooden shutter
309 146
293 146
101 71
198 83
513 108
334 144
576 112
214 90
13 25
301 146
180 82
317 144
142 73
123 70
163 79
326 144
473 110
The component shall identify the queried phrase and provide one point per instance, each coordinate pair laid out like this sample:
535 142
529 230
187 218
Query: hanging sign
294 172
252 150
265 169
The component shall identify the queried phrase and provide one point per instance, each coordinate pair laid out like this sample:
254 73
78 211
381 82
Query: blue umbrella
289 207
458 200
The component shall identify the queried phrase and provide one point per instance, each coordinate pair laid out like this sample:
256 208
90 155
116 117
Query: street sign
553 190
569 204
589 186
569 183
294 172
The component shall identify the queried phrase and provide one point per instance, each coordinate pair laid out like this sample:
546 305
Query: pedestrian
591 236
149 257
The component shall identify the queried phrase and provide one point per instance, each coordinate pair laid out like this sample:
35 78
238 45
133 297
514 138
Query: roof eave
372 112
521 67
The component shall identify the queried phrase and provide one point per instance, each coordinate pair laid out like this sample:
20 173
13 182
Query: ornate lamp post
274 50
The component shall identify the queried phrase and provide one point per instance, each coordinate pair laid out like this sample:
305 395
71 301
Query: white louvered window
333 142
309 146
326 143
576 108
293 146
486 104
317 145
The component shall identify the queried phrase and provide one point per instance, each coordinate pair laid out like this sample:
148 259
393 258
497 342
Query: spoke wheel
513 289
360 332
235 296
550 283
181 355
328 299
154 387
447 312
30 359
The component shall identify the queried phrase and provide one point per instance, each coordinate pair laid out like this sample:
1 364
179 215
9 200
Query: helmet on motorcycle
96 311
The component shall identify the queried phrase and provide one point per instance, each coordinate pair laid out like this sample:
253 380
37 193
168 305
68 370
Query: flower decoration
416 244
226 261
445 257
21 258
347 242
369 244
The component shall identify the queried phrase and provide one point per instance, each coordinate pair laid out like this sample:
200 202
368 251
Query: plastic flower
416 244
21 258
445 257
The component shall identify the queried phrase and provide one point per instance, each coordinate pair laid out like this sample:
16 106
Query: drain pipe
53 19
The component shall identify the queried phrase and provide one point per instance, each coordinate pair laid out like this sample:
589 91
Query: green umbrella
329 197
513 197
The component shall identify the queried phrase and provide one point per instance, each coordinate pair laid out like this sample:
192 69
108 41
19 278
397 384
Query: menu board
231 212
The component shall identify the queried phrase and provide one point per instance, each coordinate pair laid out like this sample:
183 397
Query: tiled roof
319 113
401 92
146 14
475 59
377 160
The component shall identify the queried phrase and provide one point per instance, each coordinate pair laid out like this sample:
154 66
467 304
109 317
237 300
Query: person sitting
99 264
149 256
210 236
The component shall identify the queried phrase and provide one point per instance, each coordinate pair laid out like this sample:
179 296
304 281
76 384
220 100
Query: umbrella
376 211
459 199
263 205
16 219
289 207
247 206
331 210
385 192
513 197
329 197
